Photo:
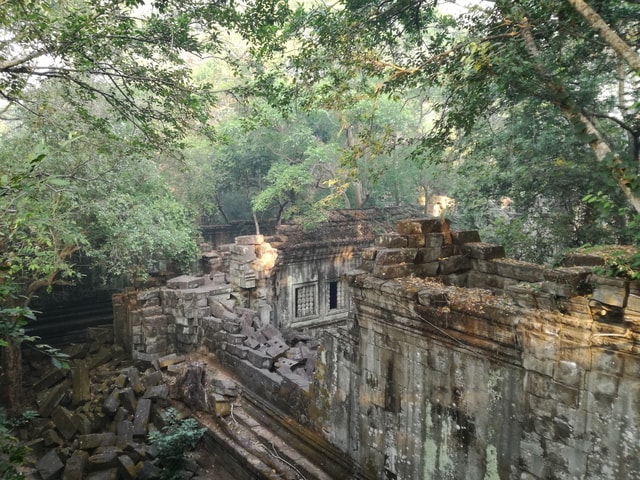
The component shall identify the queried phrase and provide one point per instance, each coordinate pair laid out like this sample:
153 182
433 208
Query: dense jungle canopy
125 122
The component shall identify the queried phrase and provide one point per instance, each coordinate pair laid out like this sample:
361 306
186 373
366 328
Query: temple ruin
421 353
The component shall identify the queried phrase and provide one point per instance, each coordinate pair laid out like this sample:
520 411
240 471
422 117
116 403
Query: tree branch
9 64
612 38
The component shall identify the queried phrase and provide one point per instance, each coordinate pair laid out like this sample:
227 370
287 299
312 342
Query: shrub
175 438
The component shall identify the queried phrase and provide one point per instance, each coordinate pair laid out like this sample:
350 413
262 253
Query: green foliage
619 261
13 453
91 196
173 441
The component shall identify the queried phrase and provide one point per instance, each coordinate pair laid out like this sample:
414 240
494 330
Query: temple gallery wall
426 354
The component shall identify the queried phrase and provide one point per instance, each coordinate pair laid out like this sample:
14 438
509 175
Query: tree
84 196
133 54
493 56
123 67
521 178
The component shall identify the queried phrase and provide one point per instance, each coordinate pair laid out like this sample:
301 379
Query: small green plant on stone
173 441
619 260
13 453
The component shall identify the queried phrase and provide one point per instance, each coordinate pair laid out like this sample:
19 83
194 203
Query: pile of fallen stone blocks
94 418
237 331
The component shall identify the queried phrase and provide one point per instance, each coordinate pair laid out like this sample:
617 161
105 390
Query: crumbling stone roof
345 225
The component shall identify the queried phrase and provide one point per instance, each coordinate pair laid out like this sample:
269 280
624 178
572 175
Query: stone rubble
102 434
96 415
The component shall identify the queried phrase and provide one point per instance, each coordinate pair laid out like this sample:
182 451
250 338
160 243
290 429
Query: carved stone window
305 301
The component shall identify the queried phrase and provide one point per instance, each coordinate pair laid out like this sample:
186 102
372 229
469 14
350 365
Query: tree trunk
576 118
357 189
609 36
255 222
11 376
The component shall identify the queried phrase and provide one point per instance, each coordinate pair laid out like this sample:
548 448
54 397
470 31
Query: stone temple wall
454 362
461 364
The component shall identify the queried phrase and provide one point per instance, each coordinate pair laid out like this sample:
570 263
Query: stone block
124 434
633 304
51 438
149 470
247 252
395 256
578 277
393 271
234 338
95 440
289 363
50 377
128 470
219 308
171 359
141 418
51 398
390 240
232 327
236 350
456 279
426 255
249 240
212 323
409 227
469 236
128 400
482 251
558 289
111 403
75 466
225 387
269 332
575 259
102 461
63 420
221 405
153 311
429 297
434 240
366 265
454 264
185 282
522 295
423 226
415 241
50 466
133 375
369 253
120 381
276 347
568 373
518 270
259 359
610 291
423 270
295 380
103 356
83 423
157 392
151 379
